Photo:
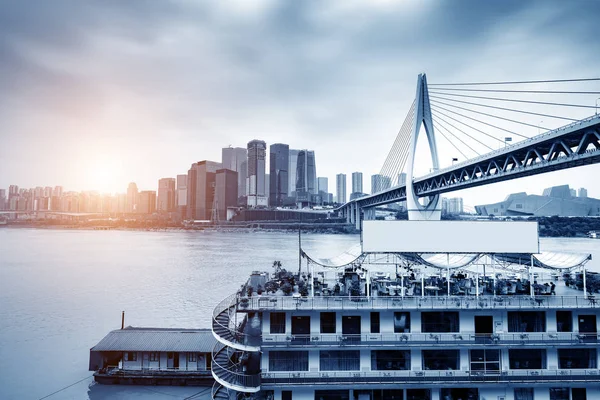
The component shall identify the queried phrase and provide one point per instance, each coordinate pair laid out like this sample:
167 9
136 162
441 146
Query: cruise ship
415 314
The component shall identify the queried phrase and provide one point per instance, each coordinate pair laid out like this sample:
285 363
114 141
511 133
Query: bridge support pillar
350 216
357 218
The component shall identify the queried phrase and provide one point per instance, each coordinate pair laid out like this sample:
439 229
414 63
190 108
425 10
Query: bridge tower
432 211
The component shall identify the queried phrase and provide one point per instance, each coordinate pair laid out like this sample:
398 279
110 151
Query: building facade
293 166
132 197
357 182
306 178
146 203
236 159
278 174
181 195
255 182
226 192
166 195
201 189
340 184
380 183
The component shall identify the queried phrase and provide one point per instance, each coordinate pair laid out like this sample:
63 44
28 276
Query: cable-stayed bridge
464 127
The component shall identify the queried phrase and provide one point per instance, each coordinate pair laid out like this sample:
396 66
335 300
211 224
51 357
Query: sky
94 95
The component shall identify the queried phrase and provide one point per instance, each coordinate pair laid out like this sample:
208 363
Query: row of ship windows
400 360
432 322
556 393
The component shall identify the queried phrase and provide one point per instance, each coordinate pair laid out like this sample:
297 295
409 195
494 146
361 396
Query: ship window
327 322
559 394
526 321
375 322
339 360
131 356
288 360
382 360
564 321
277 322
332 395
530 359
576 358
300 325
153 356
418 394
192 357
441 359
401 322
432 322
485 360
524 394
351 325
459 393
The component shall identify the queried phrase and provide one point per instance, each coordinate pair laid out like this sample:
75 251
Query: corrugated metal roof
157 339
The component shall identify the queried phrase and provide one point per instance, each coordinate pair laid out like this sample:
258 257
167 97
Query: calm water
62 291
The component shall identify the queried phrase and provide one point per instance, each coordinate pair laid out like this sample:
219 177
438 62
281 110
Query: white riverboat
383 322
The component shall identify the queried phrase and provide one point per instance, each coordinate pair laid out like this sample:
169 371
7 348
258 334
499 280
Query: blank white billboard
450 236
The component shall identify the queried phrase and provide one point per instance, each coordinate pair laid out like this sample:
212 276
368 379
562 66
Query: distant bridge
570 146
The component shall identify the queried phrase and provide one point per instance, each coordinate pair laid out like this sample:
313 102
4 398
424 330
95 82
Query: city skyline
107 119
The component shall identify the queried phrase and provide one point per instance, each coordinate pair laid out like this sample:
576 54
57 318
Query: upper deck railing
483 302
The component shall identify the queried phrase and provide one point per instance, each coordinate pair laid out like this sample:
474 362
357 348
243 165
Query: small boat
593 235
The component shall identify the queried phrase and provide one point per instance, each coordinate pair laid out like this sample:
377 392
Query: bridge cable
480 121
400 161
520 91
504 109
437 125
491 115
514 82
469 126
464 133
456 137
514 100
393 154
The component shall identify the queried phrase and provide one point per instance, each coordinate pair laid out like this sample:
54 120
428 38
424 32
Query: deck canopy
157 340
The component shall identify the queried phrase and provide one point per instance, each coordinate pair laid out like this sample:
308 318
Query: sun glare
104 175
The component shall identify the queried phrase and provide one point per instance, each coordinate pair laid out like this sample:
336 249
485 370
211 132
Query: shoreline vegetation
548 226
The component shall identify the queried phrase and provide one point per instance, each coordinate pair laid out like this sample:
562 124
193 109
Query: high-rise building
402 179
380 183
573 192
132 197
181 195
323 184
357 182
279 155
255 182
146 203
583 192
226 192
340 183
57 191
13 191
47 191
306 176
236 159
3 199
292 171
166 195
454 205
201 189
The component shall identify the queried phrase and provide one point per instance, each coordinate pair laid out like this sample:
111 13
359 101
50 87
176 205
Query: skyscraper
402 179
293 166
166 195
278 174
132 197
226 192
357 182
340 181
306 177
236 159
181 195
323 184
200 189
2 199
146 203
380 183
583 192
256 174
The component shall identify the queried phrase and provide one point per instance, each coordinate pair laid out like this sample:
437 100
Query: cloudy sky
94 95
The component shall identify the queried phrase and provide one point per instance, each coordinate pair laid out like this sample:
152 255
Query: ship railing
450 376
419 339
266 303
227 331
232 375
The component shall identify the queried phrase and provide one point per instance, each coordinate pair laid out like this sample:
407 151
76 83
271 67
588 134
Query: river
61 291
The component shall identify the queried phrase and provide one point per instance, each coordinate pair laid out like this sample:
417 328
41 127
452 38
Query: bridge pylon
432 211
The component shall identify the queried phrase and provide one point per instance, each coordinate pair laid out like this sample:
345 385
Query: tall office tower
279 155
38 192
340 183
47 191
292 171
13 191
257 150
234 158
132 197
267 186
226 192
306 173
357 182
455 205
243 190
166 195
583 192
146 202
3 199
380 183
181 195
323 184
201 189
402 179
57 191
